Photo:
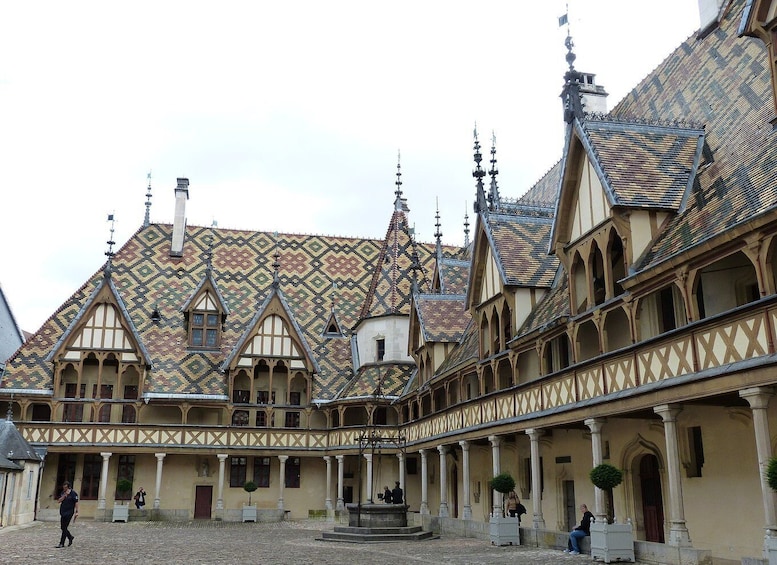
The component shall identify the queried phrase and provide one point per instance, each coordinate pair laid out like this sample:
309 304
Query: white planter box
249 513
504 531
121 513
771 550
612 542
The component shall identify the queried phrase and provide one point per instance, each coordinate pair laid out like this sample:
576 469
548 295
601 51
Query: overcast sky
285 116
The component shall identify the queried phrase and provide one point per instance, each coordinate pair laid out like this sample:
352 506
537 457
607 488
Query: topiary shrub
771 473
249 487
607 477
123 489
503 483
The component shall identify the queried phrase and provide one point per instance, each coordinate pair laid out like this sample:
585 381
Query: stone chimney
709 10
179 223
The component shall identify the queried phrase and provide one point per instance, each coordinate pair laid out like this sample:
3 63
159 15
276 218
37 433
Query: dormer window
204 329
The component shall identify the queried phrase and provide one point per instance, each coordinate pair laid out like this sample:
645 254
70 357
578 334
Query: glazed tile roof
392 378
541 197
443 317
723 82
644 166
520 244
466 352
392 282
454 275
145 275
552 309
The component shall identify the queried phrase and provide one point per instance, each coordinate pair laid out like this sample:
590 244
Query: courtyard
228 542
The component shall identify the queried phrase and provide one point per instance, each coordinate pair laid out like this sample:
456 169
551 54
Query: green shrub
123 485
249 487
606 477
503 482
771 473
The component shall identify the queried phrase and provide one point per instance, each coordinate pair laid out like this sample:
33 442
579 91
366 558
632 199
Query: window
262 471
104 415
90 481
263 397
292 472
696 452
128 414
381 349
237 471
73 412
240 418
241 396
130 392
106 391
261 418
295 398
204 329
292 419
126 471
66 471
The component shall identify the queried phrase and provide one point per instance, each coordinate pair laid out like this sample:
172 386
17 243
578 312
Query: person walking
68 510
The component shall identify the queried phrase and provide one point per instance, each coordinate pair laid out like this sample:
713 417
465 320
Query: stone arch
630 461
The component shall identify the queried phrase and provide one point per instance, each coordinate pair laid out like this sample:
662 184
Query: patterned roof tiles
392 378
454 275
521 245
443 317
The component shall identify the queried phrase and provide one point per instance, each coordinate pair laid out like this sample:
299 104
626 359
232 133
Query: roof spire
398 191
479 173
438 233
466 225
147 218
110 253
493 196
571 95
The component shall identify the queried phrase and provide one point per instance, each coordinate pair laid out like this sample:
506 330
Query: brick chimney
179 223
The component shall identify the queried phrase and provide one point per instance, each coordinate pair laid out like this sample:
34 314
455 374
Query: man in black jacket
584 529
68 510
396 494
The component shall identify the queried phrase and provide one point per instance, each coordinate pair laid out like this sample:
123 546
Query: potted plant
771 480
121 511
249 512
610 541
503 530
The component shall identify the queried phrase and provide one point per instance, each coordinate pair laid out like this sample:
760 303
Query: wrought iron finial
493 196
466 225
398 183
147 218
478 174
111 243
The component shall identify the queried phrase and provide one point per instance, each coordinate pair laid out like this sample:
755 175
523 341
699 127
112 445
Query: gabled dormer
205 313
620 182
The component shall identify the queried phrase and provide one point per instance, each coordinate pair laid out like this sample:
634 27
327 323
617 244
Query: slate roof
454 275
144 275
13 447
392 378
520 245
551 310
466 352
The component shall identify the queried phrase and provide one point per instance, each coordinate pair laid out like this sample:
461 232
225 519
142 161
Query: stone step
377 531
376 537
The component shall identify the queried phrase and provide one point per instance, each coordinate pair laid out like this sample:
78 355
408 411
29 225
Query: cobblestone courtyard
221 542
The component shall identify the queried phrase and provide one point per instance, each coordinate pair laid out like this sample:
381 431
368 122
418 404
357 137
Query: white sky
284 115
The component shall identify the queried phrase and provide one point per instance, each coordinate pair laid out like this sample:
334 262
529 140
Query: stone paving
230 542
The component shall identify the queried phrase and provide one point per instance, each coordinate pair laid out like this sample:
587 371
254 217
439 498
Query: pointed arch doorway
652 501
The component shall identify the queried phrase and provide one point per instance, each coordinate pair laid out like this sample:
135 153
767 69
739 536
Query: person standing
583 530
396 494
68 510
514 507
140 498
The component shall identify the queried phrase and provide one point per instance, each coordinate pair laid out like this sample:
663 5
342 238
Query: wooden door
652 502
202 502
570 508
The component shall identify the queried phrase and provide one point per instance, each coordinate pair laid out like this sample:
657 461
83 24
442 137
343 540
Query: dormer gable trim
105 292
207 283
484 242
274 300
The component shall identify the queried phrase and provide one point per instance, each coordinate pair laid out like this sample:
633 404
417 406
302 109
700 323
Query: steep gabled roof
390 377
553 309
520 244
453 275
209 281
442 317
466 352
13 446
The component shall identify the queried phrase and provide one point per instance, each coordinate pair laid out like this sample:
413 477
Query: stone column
328 501
678 532
340 476
282 482
467 512
368 457
103 481
538 521
160 457
758 398
496 501
424 483
443 481
401 457
220 500
595 425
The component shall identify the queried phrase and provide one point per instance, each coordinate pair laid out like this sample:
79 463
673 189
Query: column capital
668 412
106 455
367 456
222 456
340 458
283 458
464 444
327 458
423 452
594 424
443 449
160 456
758 397
495 440
535 433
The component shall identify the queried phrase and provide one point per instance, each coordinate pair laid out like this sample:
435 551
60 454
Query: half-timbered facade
624 309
